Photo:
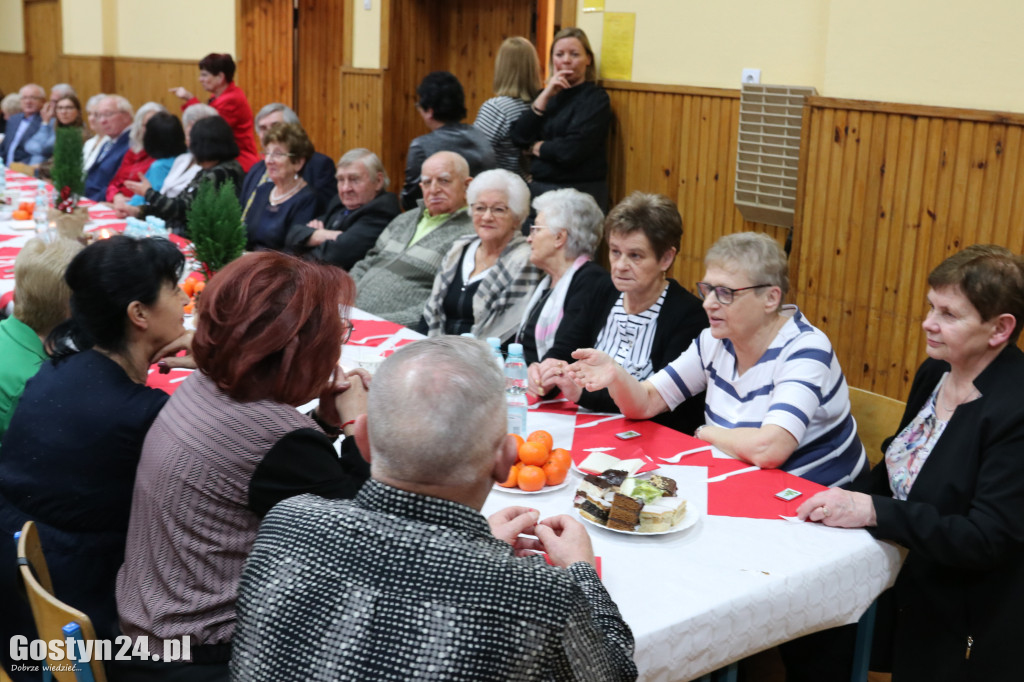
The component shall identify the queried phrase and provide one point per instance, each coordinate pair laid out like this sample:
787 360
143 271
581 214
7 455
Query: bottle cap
515 349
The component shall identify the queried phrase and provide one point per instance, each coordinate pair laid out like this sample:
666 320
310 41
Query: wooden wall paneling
13 71
144 80
320 57
265 52
361 92
86 75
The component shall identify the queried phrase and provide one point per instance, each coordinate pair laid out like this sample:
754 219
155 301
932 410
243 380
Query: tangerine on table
531 478
513 477
541 437
533 453
554 473
562 456
519 440
198 286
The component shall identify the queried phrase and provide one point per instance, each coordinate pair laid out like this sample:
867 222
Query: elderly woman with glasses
486 279
776 396
642 318
562 241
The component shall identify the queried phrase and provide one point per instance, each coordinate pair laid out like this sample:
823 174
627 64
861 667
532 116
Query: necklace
278 198
956 403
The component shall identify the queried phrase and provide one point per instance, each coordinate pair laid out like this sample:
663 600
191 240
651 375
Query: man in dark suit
318 172
114 116
23 126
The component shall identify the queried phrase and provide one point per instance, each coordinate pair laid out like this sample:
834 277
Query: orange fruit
519 439
513 477
188 286
554 473
188 308
541 437
562 456
21 214
533 453
198 287
531 478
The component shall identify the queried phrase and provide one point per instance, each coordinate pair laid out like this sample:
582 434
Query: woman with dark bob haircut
441 104
286 200
215 151
231 444
69 457
951 487
217 75
164 141
640 317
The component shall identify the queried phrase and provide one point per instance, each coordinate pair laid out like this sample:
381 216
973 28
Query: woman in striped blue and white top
776 396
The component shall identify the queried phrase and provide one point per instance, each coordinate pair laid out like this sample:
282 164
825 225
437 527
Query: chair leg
862 647
83 669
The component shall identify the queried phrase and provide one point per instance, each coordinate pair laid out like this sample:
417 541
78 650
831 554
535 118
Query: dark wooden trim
727 93
361 71
954 113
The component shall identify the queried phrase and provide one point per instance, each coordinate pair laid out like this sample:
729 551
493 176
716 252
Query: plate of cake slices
634 506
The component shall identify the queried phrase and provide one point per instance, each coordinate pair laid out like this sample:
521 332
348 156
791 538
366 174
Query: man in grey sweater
395 278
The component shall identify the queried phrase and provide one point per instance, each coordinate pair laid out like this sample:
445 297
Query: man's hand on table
839 508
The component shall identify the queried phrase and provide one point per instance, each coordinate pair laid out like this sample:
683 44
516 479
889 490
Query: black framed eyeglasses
349 328
725 295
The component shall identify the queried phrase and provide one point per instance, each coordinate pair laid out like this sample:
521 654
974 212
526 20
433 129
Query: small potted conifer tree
68 180
215 226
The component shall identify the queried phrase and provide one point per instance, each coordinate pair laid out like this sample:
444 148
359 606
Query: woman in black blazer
952 487
640 317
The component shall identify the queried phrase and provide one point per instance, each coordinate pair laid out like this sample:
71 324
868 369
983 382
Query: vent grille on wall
768 151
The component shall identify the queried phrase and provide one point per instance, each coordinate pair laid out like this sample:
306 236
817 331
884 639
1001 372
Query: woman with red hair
230 444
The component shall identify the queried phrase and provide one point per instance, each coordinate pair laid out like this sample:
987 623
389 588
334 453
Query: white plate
689 519
581 472
519 491
22 224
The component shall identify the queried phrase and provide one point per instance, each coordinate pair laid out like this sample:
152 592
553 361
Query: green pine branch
215 226
67 161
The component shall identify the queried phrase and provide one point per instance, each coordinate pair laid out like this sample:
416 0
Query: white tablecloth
726 588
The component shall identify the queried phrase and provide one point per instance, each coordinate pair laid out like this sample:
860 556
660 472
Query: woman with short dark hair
217 75
286 199
951 486
441 103
641 318
69 456
231 444
164 141
213 146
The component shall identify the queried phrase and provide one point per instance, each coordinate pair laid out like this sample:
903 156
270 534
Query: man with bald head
114 117
395 278
21 127
409 580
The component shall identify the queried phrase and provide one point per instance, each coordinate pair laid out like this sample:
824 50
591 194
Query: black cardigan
360 230
681 320
963 523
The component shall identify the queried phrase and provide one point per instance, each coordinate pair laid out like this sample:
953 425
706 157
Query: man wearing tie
23 126
114 117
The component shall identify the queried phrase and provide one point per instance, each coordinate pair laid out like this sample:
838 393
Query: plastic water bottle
40 215
495 343
515 389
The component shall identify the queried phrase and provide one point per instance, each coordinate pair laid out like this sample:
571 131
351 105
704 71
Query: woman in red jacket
216 75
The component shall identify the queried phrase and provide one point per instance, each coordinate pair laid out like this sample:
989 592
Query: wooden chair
54 619
878 417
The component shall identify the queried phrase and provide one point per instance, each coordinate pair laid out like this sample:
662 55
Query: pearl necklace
281 198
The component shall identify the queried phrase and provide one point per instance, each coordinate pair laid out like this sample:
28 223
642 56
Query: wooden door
43 41
320 56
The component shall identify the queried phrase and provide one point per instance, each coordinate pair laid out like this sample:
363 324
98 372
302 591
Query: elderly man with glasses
21 127
114 117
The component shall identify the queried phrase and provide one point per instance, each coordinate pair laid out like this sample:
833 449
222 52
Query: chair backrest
49 613
877 417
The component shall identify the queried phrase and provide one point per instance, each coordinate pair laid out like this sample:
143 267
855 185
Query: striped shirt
629 338
797 385
494 120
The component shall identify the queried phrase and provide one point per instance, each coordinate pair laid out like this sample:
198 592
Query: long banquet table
739 581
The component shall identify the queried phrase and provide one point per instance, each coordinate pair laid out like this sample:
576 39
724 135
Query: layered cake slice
625 512
612 499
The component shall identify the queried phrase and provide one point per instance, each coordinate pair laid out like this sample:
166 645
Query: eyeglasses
278 155
497 211
725 295
349 328
67 108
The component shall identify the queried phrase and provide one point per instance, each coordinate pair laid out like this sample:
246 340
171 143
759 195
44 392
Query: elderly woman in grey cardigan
486 278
